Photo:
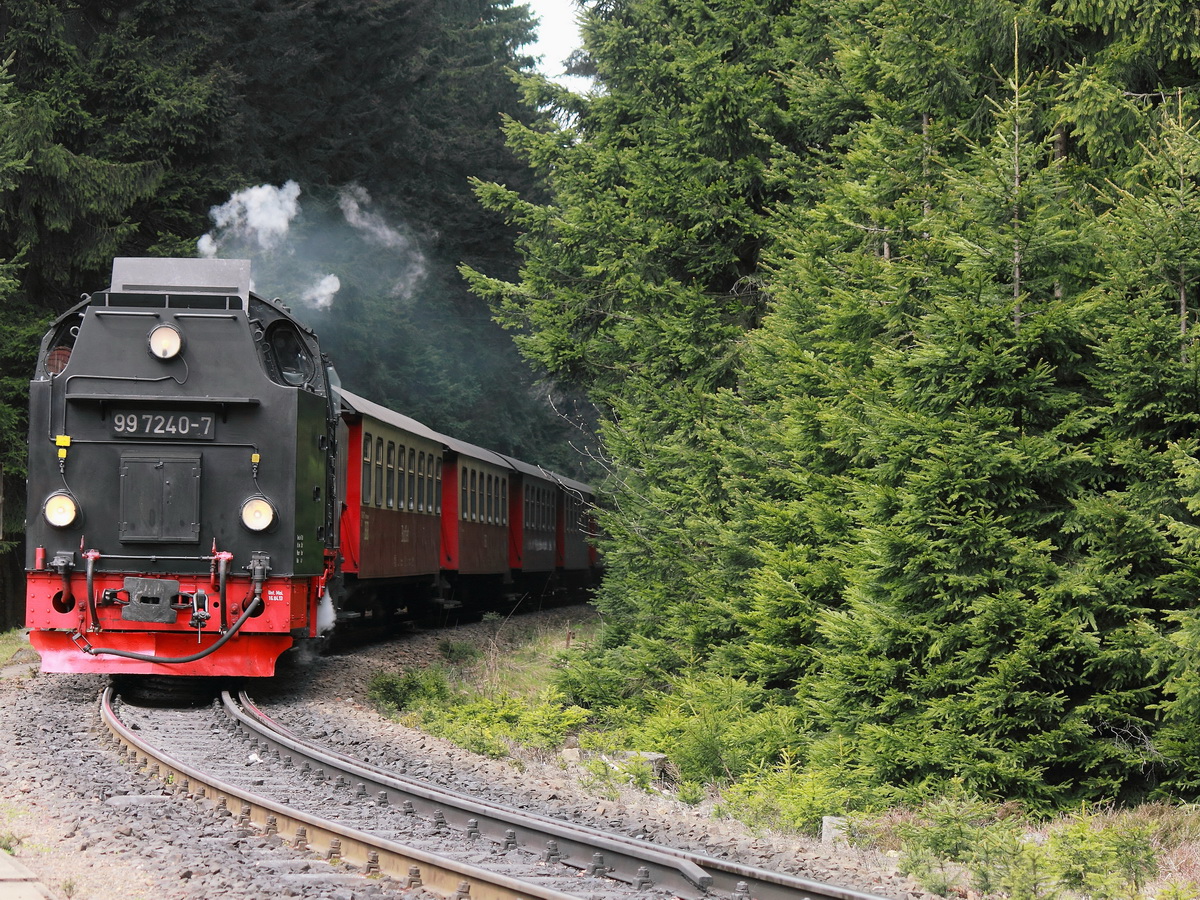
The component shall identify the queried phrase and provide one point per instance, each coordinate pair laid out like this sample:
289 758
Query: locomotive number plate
179 426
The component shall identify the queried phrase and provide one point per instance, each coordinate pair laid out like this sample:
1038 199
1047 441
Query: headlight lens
60 509
165 341
258 514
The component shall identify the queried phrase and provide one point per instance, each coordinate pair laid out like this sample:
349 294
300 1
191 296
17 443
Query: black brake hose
175 660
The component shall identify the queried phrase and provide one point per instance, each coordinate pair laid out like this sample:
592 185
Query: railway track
233 755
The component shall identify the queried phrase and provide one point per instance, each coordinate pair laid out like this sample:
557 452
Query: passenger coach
432 522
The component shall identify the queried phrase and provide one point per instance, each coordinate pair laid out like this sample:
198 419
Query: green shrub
958 843
716 728
542 722
410 689
601 678
791 796
690 792
1102 861
487 725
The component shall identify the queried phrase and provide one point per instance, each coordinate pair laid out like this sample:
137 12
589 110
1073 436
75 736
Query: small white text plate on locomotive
169 425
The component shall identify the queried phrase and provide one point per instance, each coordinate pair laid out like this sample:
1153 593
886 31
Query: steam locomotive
203 494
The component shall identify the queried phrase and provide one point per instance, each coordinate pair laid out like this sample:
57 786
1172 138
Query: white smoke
258 216
293 255
256 222
326 614
371 225
321 294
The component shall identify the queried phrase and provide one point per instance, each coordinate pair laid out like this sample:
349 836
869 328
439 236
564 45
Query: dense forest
129 126
892 312
886 313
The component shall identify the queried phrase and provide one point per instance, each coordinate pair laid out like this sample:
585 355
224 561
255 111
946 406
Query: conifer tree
20 327
981 640
1144 529
640 274
105 117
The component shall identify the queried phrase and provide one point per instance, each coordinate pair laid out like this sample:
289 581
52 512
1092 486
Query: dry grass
1175 834
519 659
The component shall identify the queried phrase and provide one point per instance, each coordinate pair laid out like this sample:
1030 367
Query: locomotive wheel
167 691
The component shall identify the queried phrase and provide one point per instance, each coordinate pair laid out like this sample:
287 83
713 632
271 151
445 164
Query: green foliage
795 797
119 137
938 504
603 678
409 690
12 642
956 842
458 652
689 792
716 728
486 725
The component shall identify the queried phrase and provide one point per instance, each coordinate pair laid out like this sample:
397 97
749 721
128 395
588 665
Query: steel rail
687 875
408 865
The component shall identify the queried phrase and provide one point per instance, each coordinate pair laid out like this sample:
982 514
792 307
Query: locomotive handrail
161 398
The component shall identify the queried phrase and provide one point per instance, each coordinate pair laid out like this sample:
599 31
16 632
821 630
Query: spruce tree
640 275
982 638
117 132
1143 528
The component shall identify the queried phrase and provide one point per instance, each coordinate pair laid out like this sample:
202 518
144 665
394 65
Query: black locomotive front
180 477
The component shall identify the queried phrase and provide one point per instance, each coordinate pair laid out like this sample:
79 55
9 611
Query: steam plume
258 216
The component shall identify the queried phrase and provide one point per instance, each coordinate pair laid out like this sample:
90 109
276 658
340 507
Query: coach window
504 502
412 478
464 509
391 475
400 478
379 471
429 482
366 472
474 497
420 483
437 482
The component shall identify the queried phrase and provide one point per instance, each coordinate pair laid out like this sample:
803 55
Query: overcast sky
558 35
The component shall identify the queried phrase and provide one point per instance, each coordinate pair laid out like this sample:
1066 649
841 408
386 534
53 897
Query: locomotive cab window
288 359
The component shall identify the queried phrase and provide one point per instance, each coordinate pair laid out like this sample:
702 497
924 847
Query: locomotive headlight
60 509
258 514
165 341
